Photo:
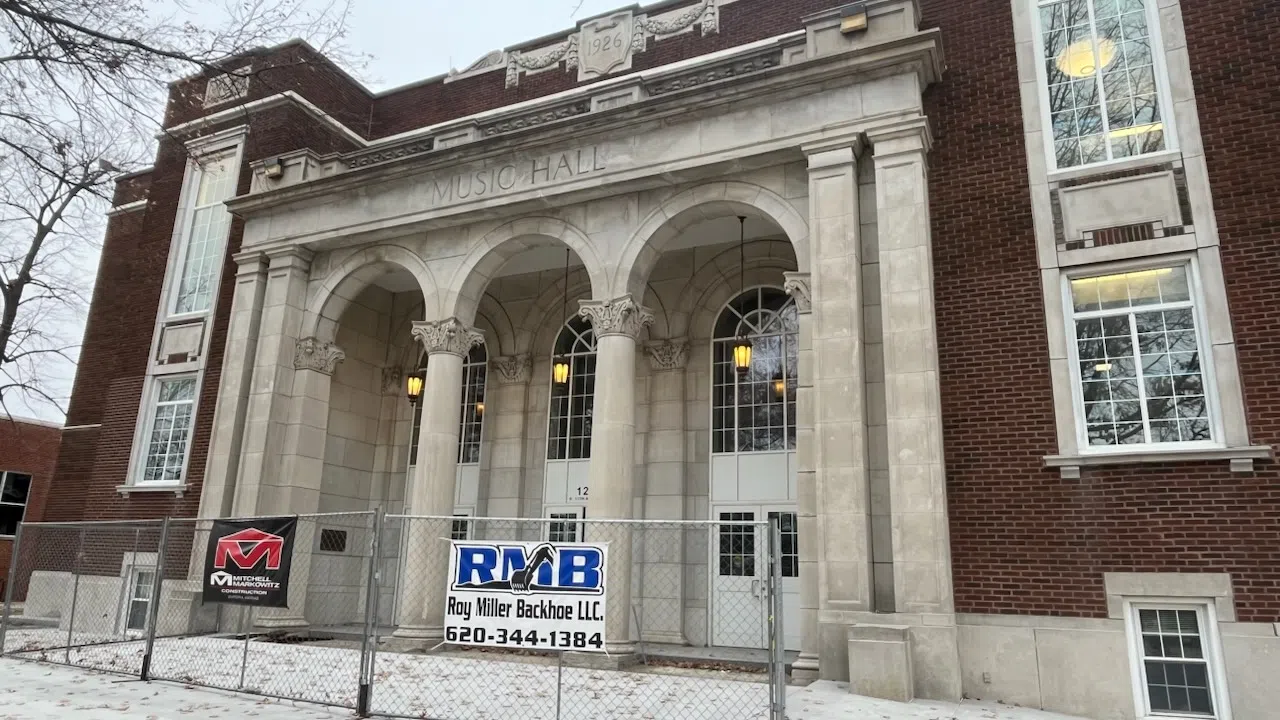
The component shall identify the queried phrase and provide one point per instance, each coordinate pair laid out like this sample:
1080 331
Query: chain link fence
366 626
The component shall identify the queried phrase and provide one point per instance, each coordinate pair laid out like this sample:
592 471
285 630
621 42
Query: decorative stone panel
313 354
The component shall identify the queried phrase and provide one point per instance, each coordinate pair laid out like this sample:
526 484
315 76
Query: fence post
153 610
369 644
14 558
777 640
75 595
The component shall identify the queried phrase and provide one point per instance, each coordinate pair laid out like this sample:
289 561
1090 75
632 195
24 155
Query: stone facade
954 538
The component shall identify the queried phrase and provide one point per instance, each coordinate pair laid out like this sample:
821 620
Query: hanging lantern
560 371
742 354
413 387
780 388
480 409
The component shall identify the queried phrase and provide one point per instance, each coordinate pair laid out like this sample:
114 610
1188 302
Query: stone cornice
313 354
446 336
668 354
619 316
512 370
919 52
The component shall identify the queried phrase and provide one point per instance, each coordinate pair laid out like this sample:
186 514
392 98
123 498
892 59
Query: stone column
839 412
662 576
233 389
917 478
617 324
270 400
296 489
506 414
446 342
805 669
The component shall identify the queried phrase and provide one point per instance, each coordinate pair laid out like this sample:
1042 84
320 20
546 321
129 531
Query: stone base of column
665 637
613 660
804 670
282 622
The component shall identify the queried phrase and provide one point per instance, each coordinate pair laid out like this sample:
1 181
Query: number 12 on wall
580 493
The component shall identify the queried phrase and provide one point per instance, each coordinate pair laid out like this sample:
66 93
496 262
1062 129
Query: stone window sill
1240 458
177 490
1103 168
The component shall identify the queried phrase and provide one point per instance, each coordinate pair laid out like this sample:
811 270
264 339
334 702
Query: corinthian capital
620 316
312 354
668 354
447 336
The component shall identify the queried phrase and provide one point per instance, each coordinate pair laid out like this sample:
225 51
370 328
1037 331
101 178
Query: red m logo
245 549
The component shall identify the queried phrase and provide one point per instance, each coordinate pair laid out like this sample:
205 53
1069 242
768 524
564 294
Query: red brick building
1007 267
28 456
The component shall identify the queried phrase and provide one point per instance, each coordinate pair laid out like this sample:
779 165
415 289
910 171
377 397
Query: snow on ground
476 687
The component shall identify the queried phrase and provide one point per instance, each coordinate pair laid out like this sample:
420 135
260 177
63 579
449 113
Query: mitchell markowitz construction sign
528 595
248 561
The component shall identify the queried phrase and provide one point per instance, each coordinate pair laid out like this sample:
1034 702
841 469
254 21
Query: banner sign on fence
247 562
527 595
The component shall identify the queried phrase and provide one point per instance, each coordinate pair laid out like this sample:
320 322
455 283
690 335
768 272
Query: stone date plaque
605 46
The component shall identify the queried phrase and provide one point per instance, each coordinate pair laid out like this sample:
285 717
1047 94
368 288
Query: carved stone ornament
605 46
391 377
668 354
514 369
797 286
620 316
706 12
517 61
311 354
489 62
446 336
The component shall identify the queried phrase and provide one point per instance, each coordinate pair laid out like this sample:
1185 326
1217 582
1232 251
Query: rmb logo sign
537 595
247 562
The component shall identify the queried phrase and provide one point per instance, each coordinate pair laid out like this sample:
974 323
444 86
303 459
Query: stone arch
462 298
694 205
716 281
539 327
327 302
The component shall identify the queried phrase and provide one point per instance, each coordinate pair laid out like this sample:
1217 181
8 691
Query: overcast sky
408 40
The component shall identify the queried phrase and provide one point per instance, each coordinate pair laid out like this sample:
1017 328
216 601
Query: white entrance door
740 576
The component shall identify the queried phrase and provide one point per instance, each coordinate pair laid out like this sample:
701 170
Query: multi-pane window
204 234
1175 670
170 433
473 377
15 489
139 600
471 421
461 527
737 544
564 527
1139 359
1103 94
755 411
790 550
569 426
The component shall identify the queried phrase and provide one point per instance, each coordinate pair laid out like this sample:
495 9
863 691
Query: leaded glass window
171 422
755 411
1100 65
205 233
572 401
1138 354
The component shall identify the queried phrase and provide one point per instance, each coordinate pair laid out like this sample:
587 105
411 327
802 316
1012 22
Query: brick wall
33 449
1023 539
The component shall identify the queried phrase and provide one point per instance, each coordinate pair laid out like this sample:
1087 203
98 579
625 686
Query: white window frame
1164 96
229 142
4 479
131 564
464 515
570 356
1210 642
579 517
143 442
1209 377
470 368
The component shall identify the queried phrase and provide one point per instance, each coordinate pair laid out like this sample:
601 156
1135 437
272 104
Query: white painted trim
142 433
1210 642
43 423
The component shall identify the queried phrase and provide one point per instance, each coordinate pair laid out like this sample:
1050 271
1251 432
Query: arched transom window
755 410
569 427
471 420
